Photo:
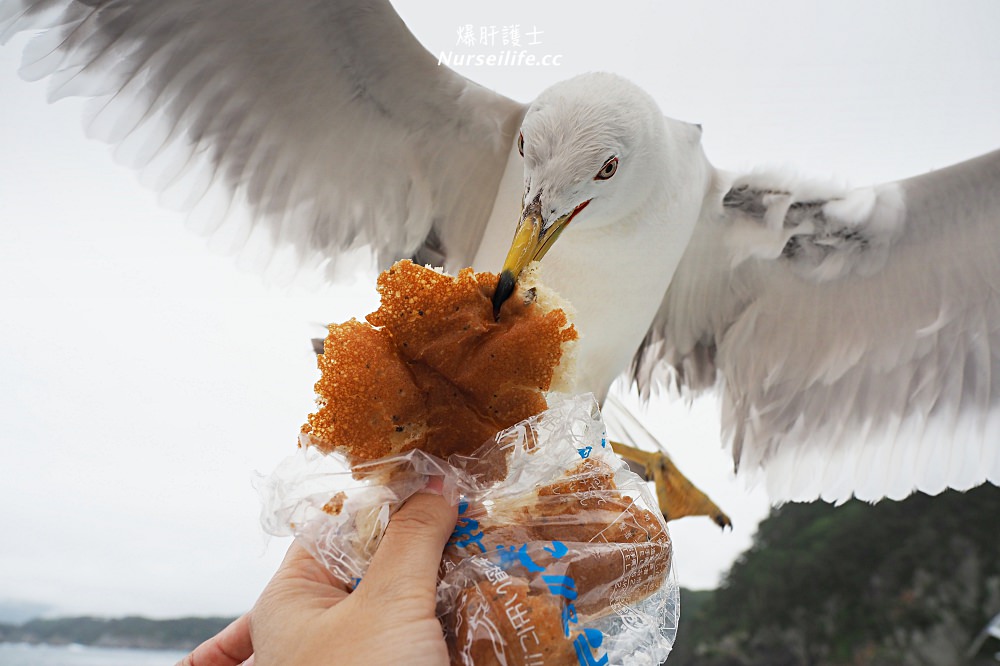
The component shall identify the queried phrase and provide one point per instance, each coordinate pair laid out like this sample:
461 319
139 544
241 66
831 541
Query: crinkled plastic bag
560 554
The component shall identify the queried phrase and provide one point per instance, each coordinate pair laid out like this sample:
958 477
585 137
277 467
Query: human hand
305 616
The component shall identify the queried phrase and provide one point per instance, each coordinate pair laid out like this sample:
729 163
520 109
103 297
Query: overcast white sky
143 379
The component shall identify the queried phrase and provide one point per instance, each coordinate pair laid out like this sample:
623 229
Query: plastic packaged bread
549 575
560 555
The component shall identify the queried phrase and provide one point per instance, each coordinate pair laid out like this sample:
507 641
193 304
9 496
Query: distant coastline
127 632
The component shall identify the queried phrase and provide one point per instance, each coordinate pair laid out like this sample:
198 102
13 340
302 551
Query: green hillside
905 583
134 632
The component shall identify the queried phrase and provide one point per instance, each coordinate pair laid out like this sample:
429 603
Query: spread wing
328 126
854 335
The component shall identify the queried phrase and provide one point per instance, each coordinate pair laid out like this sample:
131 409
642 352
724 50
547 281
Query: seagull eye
520 144
608 169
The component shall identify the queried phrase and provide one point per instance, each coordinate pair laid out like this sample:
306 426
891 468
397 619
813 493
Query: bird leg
677 496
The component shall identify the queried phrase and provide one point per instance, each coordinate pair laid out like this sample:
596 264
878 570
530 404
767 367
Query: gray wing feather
327 124
854 335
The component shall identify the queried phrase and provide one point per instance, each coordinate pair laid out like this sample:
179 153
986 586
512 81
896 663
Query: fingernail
435 486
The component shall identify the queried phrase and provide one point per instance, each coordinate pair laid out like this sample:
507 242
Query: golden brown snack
431 369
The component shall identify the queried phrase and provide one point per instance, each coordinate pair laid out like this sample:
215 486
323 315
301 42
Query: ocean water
20 654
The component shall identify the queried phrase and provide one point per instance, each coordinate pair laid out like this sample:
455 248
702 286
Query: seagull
852 334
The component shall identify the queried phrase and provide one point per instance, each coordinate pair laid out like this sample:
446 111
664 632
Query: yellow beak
531 241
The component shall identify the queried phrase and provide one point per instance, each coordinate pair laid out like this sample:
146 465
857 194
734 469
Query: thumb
409 554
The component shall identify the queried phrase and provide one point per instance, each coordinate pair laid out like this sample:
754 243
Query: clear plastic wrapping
560 554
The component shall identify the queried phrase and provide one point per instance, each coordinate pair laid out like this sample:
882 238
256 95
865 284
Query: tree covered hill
132 632
907 583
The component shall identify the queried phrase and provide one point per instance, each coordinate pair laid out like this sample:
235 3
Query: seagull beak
532 240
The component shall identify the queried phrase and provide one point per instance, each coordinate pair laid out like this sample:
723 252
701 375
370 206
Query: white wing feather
328 124
854 335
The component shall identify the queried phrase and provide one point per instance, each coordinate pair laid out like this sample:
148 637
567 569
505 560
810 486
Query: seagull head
590 147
